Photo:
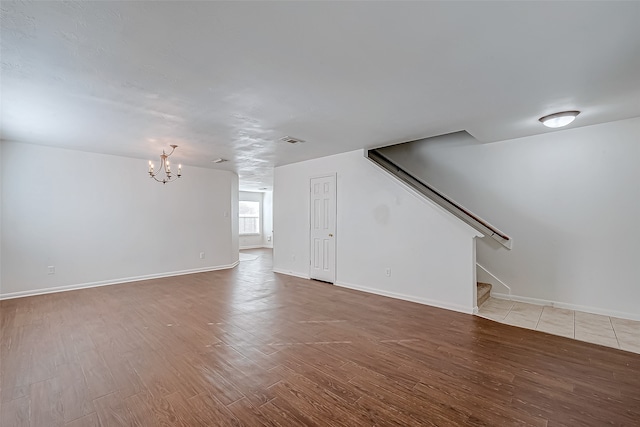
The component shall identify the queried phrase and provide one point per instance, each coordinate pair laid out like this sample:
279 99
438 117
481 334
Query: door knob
330 235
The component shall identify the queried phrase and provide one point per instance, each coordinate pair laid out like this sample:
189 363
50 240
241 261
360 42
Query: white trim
324 175
253 247
292 273
425 301
44 291
474 272
576 307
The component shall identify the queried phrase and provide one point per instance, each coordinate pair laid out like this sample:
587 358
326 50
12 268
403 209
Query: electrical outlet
51 269
201 255
388 272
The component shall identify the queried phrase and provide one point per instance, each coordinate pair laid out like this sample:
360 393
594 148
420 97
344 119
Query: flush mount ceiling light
558 120
165 167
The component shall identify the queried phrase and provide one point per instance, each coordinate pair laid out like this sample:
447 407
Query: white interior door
323 228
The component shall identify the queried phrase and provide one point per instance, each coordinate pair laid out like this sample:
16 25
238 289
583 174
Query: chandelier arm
168 176
168 179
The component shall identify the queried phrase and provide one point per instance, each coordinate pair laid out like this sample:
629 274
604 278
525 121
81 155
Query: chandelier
165 167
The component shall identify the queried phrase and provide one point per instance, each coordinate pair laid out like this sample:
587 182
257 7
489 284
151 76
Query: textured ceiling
229 79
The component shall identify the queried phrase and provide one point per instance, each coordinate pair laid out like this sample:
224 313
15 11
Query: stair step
484 292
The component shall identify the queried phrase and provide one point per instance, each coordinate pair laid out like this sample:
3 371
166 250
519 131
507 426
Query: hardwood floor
251 347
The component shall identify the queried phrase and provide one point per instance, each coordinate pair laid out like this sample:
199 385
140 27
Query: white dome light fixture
558 120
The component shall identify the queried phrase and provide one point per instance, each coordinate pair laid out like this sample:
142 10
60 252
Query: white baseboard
434 303
426 301
576 307
43 291
291 273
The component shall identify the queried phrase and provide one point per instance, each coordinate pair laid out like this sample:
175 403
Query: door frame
335 236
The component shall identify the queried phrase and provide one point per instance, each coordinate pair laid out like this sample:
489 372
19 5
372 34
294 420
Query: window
249 217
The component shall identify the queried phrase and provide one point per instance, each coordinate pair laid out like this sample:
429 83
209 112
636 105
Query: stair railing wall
441 199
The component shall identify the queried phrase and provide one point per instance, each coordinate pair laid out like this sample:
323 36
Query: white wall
570 199
380 224
1 204
233 214
267 219
100 219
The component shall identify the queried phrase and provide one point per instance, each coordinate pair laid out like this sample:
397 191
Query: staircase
408 163
484 292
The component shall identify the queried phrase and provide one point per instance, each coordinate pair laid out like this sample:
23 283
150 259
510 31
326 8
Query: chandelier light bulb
164 165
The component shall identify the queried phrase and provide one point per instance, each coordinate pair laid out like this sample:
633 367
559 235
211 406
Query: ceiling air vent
291 140
220 160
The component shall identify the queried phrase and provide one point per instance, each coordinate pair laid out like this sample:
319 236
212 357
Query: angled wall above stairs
570 199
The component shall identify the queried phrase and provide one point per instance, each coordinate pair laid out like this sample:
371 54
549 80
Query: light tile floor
604 330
